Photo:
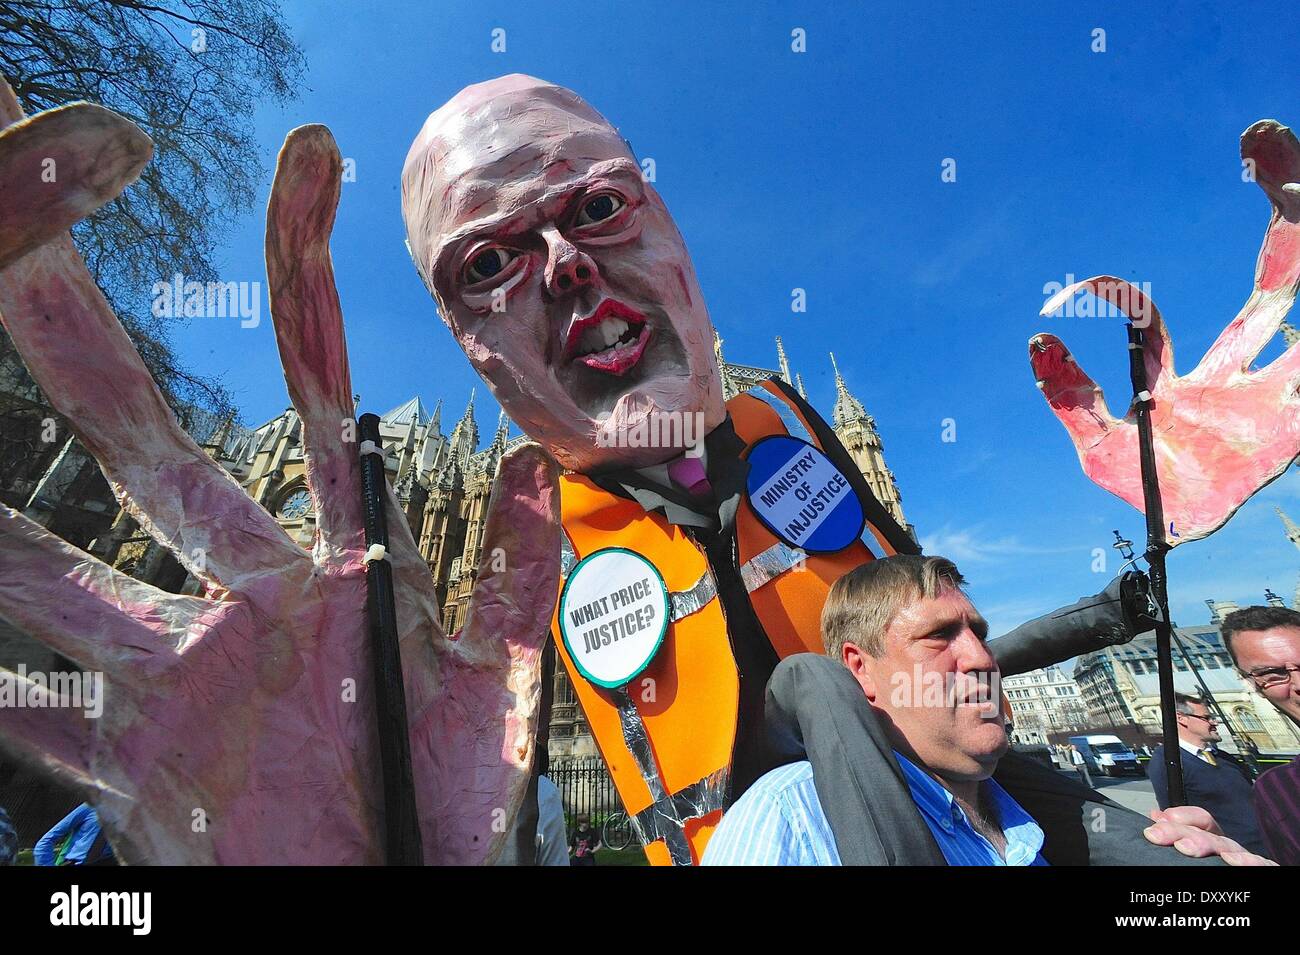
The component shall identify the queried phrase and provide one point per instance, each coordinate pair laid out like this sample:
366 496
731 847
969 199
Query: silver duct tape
669 827
791 420
567 557
696 801
687 602
770 564
638 741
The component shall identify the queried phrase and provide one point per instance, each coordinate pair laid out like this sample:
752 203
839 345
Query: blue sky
821 171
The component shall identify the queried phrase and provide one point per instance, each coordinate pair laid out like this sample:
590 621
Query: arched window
1247 720
563 690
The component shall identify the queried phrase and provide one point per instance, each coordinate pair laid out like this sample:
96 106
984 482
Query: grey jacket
816 711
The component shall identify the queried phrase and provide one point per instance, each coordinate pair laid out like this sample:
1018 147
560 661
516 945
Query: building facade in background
1044 702
1120 686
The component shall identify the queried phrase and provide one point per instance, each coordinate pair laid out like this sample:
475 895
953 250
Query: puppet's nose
567 268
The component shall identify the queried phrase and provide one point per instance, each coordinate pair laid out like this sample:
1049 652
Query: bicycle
616 832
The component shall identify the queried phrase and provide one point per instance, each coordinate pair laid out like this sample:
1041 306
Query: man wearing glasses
1213 780
1265 644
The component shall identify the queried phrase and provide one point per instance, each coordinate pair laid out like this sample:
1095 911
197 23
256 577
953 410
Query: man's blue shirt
779 821
83 825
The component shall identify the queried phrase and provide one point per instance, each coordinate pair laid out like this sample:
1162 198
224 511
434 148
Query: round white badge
613 615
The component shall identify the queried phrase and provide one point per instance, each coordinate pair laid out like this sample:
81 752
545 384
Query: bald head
561 273
460 164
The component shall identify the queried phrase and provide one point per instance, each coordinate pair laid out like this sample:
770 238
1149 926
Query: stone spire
857 432
464 437
782 363
847 408
723 375
798 381
1293 535
435 423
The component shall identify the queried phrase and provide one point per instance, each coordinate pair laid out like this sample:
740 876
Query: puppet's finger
1273 154
519 570
80 355
47 733
1141 311
58 167
481 726
85 363
309 328
1074 397
84 609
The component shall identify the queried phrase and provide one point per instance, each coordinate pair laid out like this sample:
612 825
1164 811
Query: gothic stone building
443 483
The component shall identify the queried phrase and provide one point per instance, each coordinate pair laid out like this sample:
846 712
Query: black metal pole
1157 546
401 821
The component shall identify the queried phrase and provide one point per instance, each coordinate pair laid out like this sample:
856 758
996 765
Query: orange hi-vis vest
667 735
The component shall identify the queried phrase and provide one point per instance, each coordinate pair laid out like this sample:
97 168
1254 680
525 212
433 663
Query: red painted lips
612 339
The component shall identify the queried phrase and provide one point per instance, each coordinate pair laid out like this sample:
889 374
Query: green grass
632 855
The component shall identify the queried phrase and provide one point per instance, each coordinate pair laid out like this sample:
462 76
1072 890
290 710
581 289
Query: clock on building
296 505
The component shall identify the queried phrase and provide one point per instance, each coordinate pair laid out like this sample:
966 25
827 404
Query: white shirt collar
1198 753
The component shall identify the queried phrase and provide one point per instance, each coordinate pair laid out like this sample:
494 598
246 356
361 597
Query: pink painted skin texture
1223 430
512 165
232 714
93 148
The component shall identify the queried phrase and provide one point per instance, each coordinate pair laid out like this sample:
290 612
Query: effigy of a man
700 538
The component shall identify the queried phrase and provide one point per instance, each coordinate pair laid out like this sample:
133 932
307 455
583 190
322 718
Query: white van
1108 755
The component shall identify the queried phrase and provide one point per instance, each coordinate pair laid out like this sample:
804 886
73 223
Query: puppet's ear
58 167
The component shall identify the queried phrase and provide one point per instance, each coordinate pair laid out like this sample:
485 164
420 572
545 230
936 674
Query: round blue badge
801 497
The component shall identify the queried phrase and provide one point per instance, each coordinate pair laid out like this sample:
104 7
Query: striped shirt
779 821
1277 806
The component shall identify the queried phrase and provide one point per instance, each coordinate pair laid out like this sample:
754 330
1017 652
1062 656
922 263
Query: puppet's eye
487 263
599 208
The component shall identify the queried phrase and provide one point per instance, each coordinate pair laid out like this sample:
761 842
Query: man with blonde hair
888 746
915 645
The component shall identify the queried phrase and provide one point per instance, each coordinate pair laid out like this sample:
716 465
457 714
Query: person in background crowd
75 840
8 840
584 842
1212 779
1264 643
551 847
1080 766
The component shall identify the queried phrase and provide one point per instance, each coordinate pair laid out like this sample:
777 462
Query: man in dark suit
1213 780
